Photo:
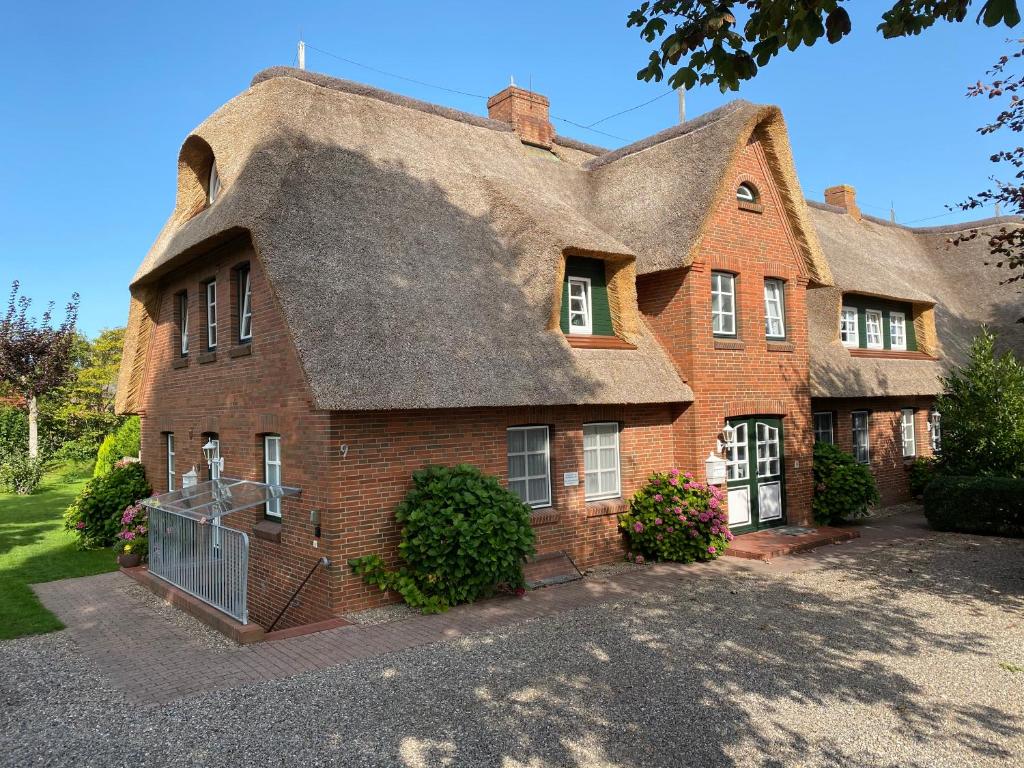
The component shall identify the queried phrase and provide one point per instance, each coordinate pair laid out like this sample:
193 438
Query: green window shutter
577 266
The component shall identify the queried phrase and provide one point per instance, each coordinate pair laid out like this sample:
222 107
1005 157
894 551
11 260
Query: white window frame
935 430
737 458
719 316
170 461
211 314
902 325
868 315
598 429
867 436
845 315
587 328
245 305
769 450
213 184
272 507
746 193
831 427
526 453
778 303
908 432
183 323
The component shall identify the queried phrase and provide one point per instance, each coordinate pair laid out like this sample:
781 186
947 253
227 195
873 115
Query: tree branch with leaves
1006 243
36 357
726 43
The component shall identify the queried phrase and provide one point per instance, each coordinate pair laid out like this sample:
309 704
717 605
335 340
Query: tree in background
35 356
983 414
78 415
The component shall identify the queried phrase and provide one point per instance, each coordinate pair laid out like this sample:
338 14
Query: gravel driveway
907 654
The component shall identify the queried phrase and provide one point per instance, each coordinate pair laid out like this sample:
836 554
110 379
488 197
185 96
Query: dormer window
213 185
585 310
867 322
746 193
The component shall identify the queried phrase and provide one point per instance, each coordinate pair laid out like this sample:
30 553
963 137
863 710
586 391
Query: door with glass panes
755 474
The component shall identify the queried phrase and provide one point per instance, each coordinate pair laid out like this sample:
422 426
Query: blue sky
100 95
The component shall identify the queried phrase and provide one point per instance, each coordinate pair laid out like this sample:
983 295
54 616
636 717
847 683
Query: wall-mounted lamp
314 518
727 435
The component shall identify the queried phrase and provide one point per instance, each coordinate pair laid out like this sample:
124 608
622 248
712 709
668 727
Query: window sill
781 346
605 507
890 354
242 350
544 516
734 344
268 530
179 362
584 341
752 207
207 357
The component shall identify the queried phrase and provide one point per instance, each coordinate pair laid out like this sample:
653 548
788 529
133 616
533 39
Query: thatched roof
416 251
953 291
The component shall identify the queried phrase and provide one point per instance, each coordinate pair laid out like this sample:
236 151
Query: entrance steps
786 540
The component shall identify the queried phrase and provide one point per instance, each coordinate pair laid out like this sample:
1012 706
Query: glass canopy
215 498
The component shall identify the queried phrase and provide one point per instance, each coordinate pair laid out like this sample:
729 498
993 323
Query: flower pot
129 560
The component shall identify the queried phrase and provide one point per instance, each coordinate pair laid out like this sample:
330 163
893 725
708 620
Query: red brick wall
243 396
240 398
385 448
884 436
748 376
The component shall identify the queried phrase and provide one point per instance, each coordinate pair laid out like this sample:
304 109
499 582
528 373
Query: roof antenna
682 104
302 51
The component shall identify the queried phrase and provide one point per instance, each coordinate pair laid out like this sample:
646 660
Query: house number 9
343 450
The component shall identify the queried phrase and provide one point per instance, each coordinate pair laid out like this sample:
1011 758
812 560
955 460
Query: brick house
354 284
904 307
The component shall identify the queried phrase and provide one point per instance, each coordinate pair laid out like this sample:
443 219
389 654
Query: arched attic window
199 182
747 193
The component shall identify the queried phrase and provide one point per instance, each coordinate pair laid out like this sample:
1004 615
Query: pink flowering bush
134 535
675 517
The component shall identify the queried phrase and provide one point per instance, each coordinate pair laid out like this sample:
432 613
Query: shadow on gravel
680 680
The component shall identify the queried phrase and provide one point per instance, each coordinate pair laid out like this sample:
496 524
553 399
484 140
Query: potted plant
133 540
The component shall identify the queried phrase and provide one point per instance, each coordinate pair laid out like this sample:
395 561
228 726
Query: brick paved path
153 660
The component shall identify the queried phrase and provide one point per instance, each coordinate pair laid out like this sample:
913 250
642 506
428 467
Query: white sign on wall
571 478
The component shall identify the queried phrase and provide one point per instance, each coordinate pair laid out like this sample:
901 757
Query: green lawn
34 547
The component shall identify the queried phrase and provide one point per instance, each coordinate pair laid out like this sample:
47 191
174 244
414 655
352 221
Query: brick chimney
526 112
843 196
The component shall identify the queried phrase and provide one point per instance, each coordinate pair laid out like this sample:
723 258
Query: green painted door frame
757 483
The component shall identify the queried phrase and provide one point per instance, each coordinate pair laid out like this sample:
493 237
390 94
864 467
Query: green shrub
987 505
124 442
463 534
674 517
921 472
20 474
983 414
13 432
843 489
95 516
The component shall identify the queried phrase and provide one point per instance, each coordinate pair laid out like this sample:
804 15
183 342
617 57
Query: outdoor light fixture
210 451
714 469
728 434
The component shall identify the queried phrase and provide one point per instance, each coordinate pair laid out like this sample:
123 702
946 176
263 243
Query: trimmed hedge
992 506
